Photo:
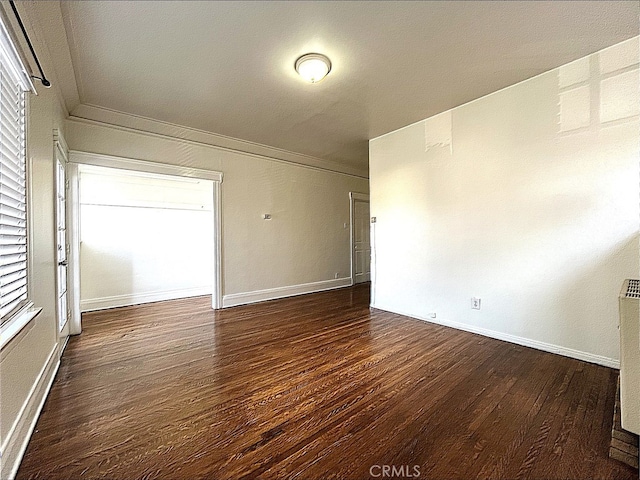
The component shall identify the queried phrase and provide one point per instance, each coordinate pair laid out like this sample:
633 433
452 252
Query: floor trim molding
507 337
17 439
114 301
256 296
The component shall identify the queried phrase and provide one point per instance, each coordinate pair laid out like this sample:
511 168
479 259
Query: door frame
353 197
73 256
61 154
85 158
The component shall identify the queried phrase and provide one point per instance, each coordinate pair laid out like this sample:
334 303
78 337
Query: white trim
73 233
216 297
244 298
109 161
17 439
122 163
507 337
61 156
359 196
353 197
95 115
59 142
15 64
114 301
14 326
62 345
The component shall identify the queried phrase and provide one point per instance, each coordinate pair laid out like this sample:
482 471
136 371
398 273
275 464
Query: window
14 83
13 212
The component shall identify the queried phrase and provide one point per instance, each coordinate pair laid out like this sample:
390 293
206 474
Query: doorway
98 160
144 237
62 247
360 238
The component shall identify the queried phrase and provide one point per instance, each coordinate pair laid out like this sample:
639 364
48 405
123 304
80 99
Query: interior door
61 252
361 241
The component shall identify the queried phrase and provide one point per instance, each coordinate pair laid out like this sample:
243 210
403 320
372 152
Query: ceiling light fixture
313 67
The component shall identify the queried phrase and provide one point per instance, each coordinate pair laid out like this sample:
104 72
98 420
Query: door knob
63 263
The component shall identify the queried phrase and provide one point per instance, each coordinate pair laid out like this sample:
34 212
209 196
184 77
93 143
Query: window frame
18 318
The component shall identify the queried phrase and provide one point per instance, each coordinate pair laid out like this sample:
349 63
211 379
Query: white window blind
13 188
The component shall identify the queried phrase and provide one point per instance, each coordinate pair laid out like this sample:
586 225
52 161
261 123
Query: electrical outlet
475 303
337 275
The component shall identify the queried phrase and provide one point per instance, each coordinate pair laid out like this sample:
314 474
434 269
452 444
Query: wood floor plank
315 386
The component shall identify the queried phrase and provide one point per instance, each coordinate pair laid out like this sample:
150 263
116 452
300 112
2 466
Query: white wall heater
630 355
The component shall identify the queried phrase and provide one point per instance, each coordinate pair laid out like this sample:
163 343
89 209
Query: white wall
144 237
302 248
527 198
29 361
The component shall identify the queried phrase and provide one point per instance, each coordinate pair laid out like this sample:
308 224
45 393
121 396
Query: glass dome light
313 67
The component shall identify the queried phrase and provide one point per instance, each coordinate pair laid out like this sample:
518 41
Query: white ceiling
227 67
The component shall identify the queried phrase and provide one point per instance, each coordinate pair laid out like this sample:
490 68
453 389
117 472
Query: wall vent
633 289
629 301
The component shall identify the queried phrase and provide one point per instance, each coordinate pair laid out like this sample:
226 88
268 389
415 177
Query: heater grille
633 289
629 301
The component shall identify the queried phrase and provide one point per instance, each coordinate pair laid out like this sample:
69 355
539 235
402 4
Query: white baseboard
244 298
138 298
16 441
507 337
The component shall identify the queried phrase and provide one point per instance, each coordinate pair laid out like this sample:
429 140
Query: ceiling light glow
313 67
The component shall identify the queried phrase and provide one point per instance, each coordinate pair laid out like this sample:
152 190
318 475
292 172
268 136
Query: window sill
14 326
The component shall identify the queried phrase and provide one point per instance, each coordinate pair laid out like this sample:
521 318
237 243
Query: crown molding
86 113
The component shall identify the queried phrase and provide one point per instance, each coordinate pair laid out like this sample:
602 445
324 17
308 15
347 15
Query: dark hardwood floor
317 386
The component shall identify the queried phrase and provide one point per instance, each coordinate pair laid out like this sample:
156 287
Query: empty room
319 239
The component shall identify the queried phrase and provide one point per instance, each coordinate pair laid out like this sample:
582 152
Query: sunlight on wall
143 237
534 208
600 88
